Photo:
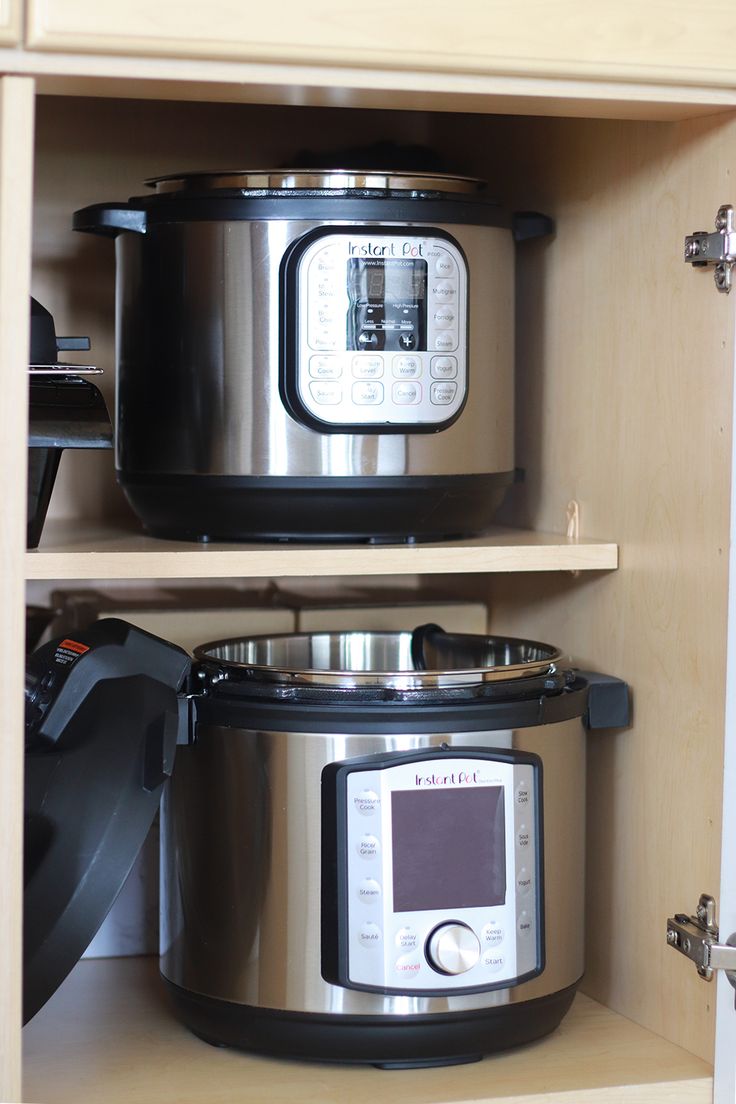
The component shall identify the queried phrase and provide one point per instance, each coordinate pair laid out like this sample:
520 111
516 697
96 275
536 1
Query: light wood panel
627 40
16 156
10 22
109 1035
624 404
74 550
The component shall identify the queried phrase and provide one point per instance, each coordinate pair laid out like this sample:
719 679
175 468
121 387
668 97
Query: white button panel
435 353
386 948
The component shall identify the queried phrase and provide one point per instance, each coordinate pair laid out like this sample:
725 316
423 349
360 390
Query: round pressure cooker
314 354
372 843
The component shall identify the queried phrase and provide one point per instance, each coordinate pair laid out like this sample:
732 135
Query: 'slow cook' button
442 394
369 891
326 394
324 367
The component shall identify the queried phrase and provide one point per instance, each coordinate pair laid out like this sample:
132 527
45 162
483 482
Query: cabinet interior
624 367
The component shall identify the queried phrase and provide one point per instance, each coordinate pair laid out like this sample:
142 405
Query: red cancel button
408 965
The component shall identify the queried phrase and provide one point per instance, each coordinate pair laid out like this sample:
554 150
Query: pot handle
110 219
526 225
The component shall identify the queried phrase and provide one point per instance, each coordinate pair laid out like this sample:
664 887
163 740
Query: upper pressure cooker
372 843
324 354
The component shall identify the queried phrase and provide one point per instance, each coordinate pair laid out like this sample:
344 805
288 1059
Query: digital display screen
449 848
387 281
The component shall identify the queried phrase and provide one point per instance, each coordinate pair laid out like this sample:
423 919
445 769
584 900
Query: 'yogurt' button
367 802
443 367
370 934
523 882
369 891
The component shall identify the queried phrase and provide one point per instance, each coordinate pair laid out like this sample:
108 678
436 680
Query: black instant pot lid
102 717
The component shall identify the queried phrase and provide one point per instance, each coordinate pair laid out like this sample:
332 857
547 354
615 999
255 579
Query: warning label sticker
68 651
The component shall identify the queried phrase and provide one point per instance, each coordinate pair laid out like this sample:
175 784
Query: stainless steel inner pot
385 659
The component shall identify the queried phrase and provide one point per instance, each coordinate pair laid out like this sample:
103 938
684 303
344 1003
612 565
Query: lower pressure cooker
324 354
372 843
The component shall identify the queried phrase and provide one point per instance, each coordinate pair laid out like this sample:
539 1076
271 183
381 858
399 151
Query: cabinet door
10 22
622 40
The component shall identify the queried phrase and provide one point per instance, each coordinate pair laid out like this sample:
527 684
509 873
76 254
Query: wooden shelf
70 550
109 1035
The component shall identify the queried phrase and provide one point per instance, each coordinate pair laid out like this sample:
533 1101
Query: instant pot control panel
432 873
378 322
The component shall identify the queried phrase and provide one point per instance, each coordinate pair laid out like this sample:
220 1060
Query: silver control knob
453 948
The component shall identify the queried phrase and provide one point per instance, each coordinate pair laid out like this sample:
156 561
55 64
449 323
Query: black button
407 341
368 340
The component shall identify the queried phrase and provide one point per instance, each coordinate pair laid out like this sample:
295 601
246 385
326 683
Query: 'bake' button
444 290
523 882
367 802
367 367
367 393
325 393
407 367
492 934
408 965
446 341
369 891
370 934
493 961
406 939
324 367
368 847
442 394
444 318
444 265
407 393
443 367
525 924
523 838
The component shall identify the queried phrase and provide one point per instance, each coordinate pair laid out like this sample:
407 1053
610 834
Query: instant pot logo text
455 778
392 249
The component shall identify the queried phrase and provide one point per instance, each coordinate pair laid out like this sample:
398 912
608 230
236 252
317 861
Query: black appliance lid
426 659
45 346
102 719
330 180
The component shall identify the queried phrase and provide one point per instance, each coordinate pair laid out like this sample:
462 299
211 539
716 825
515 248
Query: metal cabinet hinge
697 938
719 248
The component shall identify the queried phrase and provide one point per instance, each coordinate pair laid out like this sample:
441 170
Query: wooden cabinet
625 375
598 40
10 22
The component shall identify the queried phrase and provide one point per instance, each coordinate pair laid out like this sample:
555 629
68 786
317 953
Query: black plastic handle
526 225
110 219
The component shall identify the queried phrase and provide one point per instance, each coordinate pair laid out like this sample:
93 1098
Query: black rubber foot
390 1042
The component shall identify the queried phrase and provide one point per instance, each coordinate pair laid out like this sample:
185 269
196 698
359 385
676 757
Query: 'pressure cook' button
408 965
370 934
442 394
325 393
407 393
406 939
324 367
443 367
367 367
368 847
367 802
407 367
369 891
492 934
367 393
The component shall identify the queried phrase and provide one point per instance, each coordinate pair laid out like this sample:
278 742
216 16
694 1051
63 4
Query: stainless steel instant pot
372 843
314 354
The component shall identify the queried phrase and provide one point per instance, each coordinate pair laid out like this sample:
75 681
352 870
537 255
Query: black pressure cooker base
390 1042
267 508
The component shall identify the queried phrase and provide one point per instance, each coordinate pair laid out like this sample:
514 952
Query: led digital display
449 848
387 281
